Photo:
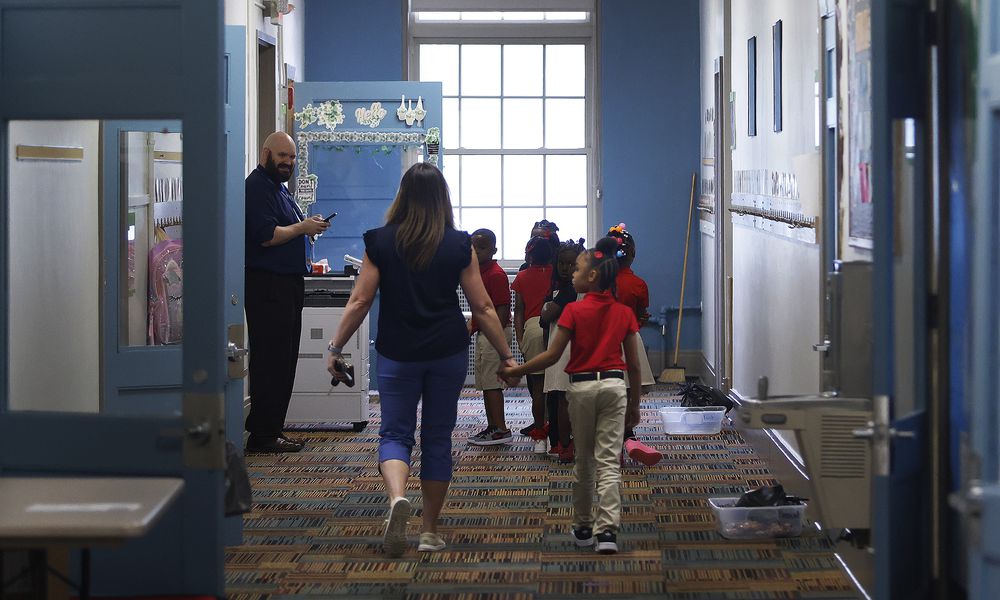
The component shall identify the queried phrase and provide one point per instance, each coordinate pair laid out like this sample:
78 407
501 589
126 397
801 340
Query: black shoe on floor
583 536
607 543
291 440
272 446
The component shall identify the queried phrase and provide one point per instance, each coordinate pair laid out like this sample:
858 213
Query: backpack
166 293
696 394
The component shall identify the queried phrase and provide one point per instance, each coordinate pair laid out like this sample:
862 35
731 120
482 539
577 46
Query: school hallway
317 522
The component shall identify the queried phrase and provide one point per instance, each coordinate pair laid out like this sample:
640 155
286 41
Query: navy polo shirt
419 316
269 204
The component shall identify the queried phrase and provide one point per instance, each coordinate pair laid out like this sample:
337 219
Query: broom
675 373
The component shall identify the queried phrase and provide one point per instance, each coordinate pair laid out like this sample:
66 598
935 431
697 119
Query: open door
155 408
980 500
903 250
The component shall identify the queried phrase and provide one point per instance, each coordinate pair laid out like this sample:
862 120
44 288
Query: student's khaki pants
597 413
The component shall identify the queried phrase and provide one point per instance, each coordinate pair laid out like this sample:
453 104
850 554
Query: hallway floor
316 527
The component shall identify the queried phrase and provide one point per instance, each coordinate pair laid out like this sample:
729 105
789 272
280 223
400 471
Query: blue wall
650 126
650 53
354 41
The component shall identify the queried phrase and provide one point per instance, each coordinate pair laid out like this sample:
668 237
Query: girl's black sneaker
607 543
584 536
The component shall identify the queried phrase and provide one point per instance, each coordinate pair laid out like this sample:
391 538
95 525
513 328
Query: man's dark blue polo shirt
268 205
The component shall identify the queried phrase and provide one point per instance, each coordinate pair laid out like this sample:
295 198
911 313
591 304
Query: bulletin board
860 214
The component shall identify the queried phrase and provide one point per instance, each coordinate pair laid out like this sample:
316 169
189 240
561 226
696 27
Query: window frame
544 33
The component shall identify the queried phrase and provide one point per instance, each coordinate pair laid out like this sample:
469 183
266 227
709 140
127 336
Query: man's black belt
596 376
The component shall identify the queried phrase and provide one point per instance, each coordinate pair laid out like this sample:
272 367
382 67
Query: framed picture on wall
752 86
776 65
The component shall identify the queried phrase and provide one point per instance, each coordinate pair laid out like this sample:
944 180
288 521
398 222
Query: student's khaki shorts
488 362
532 343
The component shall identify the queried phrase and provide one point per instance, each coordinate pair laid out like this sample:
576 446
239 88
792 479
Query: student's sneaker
394 540
640 452
555 450
541 446
607 543
583 536
567 454
535 432
492 437
430 542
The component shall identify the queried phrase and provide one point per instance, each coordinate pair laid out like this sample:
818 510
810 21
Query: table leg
85 574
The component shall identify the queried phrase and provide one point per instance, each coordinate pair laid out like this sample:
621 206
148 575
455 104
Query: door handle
823 346
234 352
869 432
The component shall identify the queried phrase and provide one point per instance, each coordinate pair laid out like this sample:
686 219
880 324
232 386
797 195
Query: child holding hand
599 327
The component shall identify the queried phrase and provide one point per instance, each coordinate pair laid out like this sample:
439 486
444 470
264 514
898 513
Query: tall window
516 129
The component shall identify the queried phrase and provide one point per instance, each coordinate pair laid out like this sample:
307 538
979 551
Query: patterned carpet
316 527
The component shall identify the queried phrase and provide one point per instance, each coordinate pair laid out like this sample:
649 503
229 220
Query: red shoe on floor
556 450
642 453
539 433
567 454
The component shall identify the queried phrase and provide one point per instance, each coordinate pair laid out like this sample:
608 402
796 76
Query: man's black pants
274 318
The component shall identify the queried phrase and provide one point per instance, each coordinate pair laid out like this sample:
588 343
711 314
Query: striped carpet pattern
316 526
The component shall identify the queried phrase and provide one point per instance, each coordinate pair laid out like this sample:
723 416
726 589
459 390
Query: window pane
566 180
523 16
481 16
564 124
566 16
522 124
451 168
440 63
480 218
517 224
449 123
522 180
480 181
480 123
438 16
480 70
565 70
572 223
522 70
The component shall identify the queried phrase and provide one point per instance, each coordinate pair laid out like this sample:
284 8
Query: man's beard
272 169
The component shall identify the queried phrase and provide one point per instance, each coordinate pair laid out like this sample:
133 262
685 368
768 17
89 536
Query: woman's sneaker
394 541
567 454
583 536
607 543
492 437
541 446
430 542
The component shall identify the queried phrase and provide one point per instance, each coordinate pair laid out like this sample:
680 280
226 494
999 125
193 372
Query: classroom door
134 89
980 499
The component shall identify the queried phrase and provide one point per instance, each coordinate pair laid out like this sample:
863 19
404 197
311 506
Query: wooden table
41 513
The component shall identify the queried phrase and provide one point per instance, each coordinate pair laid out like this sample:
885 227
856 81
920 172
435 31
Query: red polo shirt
599 325
495 281
632 292
533 283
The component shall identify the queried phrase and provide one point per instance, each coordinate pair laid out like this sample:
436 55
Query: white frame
521 32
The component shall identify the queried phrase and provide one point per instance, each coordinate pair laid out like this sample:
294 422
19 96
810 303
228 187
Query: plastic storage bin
692 420
758 522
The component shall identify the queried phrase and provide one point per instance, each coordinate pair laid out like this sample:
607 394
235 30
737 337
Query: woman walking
417 261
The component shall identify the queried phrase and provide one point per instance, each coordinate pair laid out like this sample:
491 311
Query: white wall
777 279
290 37
54 271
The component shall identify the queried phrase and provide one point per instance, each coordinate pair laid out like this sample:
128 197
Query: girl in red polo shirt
530 288
633 292
599 328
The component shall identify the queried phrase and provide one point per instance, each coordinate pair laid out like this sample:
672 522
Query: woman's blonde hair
422 209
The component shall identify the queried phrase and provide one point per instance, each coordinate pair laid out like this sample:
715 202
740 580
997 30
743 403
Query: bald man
277 256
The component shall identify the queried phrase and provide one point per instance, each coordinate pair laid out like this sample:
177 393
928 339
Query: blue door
158 406
354 141
902 251
982 495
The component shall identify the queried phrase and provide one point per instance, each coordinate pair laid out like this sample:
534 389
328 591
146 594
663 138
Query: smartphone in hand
332 215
